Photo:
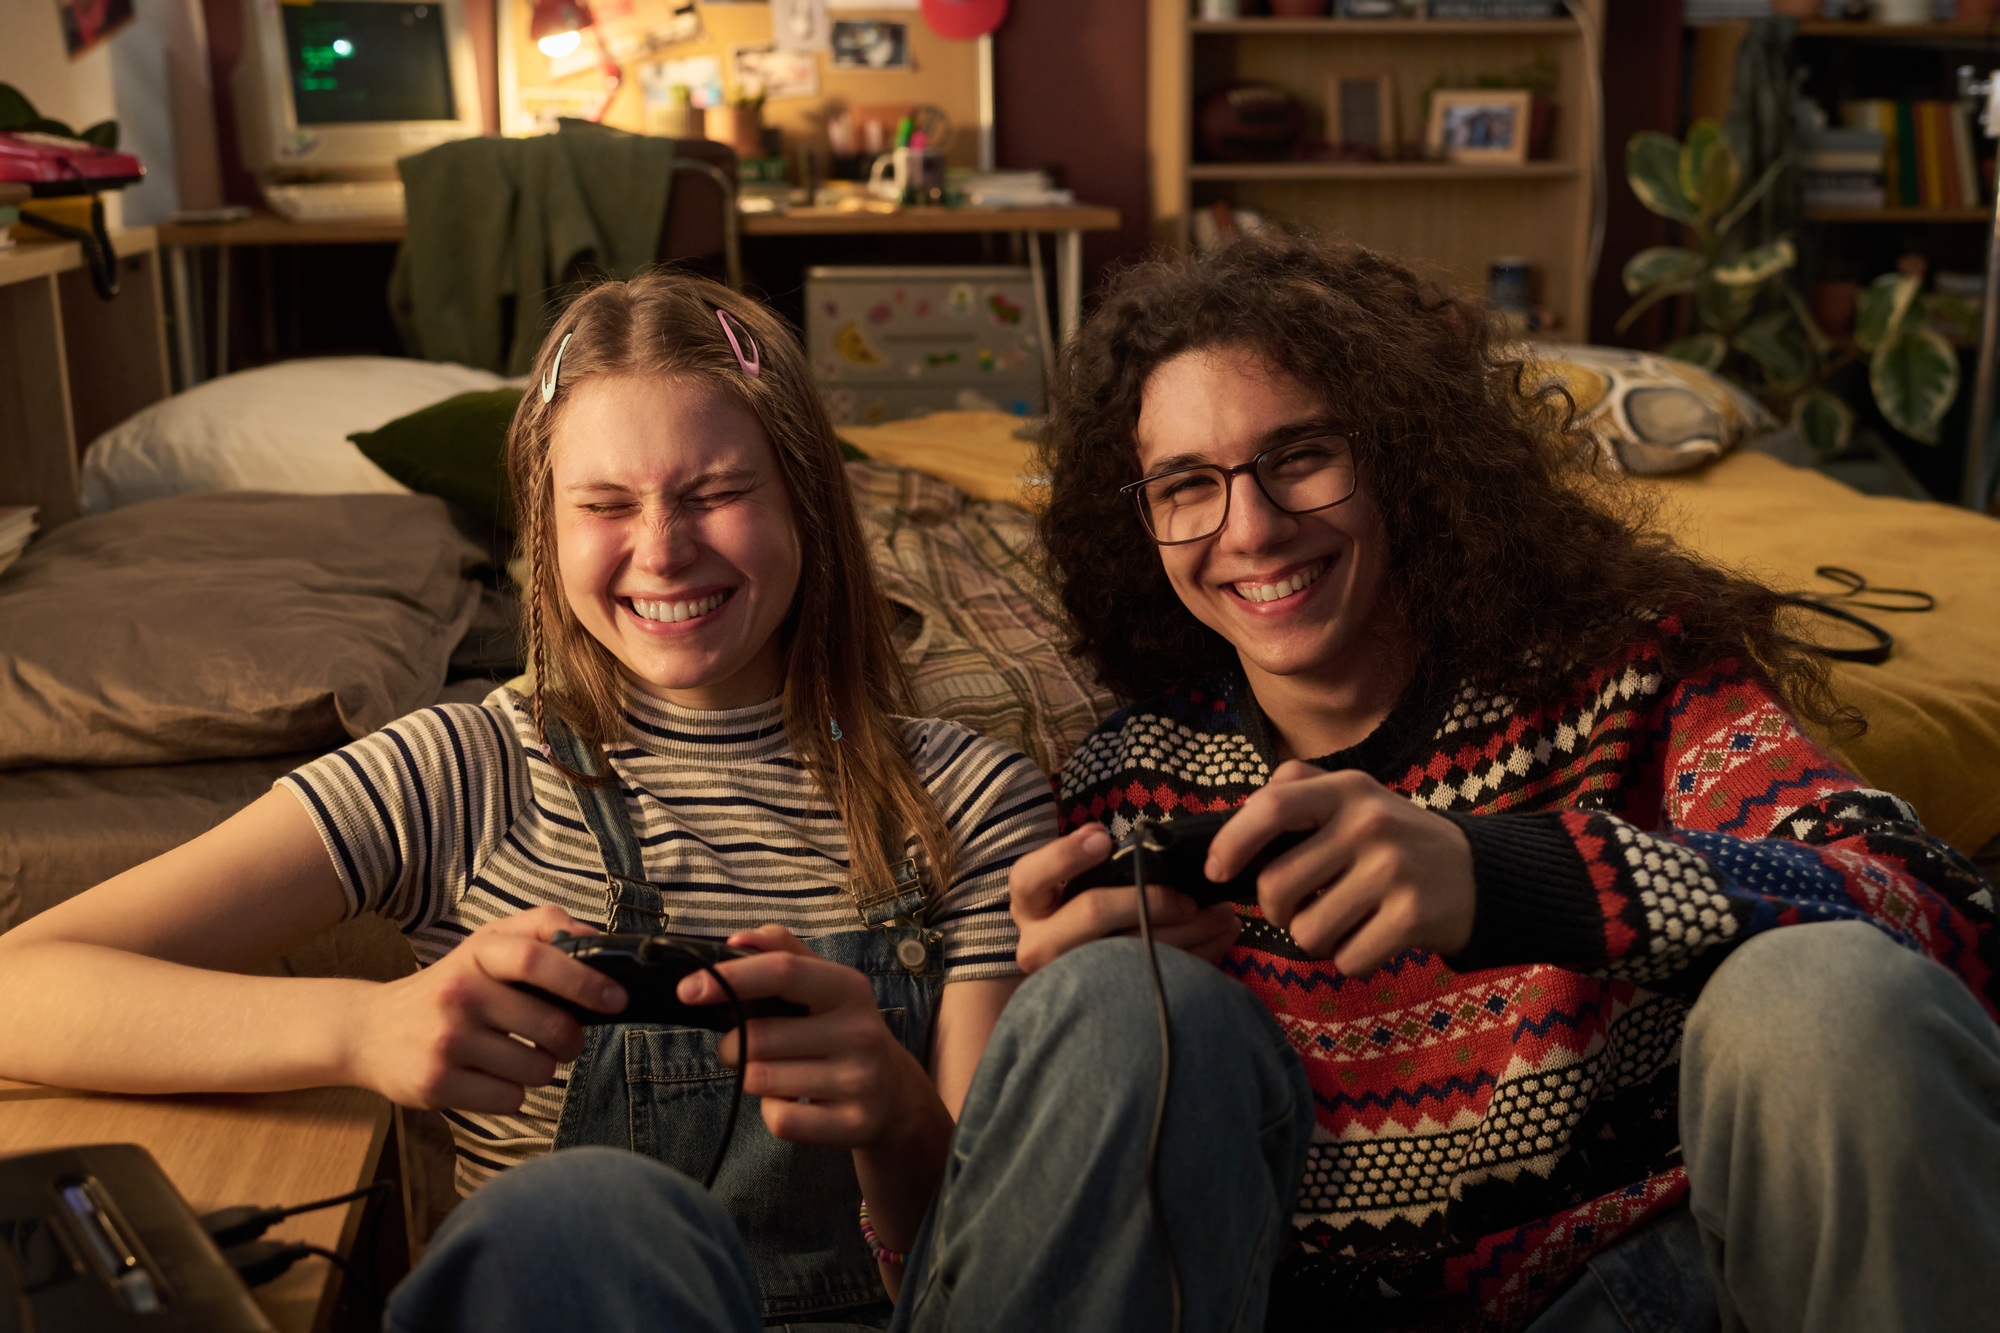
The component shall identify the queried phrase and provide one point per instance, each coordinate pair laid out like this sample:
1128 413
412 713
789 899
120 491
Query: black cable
742 1063
24 1304
1166 1076
235 1226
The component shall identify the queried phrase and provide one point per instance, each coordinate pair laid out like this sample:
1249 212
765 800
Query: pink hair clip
750 364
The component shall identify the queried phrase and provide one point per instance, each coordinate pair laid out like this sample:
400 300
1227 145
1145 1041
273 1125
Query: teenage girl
709 747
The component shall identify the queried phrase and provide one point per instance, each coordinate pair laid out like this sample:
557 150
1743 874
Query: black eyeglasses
1298 477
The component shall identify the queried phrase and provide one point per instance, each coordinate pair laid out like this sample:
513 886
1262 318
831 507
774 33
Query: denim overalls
663 1092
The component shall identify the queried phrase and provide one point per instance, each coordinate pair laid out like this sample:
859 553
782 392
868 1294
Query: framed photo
1361 112
1479 125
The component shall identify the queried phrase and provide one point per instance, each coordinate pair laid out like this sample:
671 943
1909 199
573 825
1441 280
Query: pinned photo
870 44
771 73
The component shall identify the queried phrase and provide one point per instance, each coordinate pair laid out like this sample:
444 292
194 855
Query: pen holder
741 127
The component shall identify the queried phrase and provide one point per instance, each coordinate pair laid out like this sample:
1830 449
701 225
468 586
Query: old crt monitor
339 89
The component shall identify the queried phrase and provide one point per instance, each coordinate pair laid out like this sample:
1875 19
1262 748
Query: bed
348 607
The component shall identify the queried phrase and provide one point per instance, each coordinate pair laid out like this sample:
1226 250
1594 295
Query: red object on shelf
50 165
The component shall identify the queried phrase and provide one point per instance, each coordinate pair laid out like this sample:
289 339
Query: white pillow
275 428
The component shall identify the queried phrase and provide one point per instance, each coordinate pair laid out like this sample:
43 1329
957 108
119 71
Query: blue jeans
1042 1220
1841 1114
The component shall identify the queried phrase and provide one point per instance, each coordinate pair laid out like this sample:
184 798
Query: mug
908 175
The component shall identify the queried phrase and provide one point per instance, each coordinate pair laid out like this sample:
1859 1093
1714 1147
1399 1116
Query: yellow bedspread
1933 709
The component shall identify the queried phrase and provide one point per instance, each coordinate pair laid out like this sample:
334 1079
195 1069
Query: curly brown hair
1514 561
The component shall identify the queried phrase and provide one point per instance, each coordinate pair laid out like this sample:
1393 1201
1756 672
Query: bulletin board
941 73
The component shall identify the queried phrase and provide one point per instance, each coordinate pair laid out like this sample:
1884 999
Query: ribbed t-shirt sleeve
997 805
408 813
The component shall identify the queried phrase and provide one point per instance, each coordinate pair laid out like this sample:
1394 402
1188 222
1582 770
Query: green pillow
456 450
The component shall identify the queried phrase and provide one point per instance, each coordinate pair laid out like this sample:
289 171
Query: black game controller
1176 851
650 967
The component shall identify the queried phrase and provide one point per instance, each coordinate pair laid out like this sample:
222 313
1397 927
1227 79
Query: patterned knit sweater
1485 1124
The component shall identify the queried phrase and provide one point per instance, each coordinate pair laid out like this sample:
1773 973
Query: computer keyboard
337 201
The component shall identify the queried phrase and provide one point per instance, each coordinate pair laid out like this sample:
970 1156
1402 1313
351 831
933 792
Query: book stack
1927 152
1843 169
17 524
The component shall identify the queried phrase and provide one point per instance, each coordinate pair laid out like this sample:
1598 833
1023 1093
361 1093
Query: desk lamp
557 29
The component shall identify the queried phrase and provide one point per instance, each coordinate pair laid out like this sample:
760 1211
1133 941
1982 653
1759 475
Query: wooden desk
71 364
1066 224
222 1150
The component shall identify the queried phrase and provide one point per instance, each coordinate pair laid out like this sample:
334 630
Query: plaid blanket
973 626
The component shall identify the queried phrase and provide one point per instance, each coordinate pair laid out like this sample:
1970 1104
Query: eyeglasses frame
1229 476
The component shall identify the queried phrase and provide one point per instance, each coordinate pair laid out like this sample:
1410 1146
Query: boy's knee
1828 1023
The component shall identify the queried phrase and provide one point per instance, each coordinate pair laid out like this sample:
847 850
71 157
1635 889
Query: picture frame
1361 112
1480 125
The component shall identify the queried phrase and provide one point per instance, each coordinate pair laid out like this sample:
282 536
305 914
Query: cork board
942 73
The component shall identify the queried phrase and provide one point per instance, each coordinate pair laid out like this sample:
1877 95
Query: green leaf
1954 316
16 111
1703 349
1649 300
1708 170
1879 313
104 134
1779 347
1724 307
1821 344
1824 422
1753 268
1752 195
1661 265
1915 376
1653 167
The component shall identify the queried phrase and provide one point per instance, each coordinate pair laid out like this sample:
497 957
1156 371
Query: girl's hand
837 1076
445 1035
1051 927
1380 875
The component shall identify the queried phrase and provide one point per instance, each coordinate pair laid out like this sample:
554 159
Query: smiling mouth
672 613
1283 588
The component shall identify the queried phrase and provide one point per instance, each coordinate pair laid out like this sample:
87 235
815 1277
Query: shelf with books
1364 89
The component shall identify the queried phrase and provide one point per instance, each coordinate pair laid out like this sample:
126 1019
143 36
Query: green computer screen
354 61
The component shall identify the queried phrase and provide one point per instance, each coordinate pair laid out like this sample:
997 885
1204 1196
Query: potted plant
1751 324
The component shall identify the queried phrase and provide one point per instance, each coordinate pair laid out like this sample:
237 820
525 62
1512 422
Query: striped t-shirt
452 817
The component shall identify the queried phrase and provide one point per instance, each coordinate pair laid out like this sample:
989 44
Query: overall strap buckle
898 911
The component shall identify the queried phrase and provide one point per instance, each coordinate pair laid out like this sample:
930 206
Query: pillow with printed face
1651 414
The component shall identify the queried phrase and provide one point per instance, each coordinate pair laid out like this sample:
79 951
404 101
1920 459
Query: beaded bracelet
883 1254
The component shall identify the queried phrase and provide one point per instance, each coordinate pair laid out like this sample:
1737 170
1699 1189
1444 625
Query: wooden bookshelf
1453 219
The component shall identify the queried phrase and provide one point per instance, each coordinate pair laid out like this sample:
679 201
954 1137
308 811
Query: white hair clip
555 368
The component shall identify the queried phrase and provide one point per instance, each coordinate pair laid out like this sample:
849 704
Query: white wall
151 77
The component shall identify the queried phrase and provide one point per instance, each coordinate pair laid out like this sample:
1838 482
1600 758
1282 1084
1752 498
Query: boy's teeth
677 611
1271 592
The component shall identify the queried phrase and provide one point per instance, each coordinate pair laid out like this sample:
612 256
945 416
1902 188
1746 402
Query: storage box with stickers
890 343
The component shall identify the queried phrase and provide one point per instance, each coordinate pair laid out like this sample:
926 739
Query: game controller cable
742 1026
1140 846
